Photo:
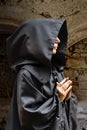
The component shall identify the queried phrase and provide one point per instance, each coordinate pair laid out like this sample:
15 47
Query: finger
61 91
69 89
62 94
58 84
66 85
64 80
61 84
62 98
67 78
68 95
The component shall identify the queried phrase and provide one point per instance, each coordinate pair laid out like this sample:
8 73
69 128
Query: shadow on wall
6 82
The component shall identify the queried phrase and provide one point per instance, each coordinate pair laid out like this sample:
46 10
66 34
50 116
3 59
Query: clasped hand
64 88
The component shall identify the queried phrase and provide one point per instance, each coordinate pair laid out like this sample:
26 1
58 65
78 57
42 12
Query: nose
57 40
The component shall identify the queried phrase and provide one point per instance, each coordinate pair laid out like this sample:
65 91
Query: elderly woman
42 97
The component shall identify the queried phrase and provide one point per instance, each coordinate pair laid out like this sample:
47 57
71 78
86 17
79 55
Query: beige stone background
13 12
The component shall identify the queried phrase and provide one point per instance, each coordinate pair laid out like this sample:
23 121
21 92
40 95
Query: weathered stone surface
77 66
7 76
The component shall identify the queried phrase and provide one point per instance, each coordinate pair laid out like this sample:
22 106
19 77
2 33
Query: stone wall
77 67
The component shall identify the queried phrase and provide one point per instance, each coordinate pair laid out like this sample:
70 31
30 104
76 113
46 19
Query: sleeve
35 111
73 112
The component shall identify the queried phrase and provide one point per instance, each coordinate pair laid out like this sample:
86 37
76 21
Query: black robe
36 103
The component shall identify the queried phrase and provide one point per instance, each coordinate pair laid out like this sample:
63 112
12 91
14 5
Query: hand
68 95
65 89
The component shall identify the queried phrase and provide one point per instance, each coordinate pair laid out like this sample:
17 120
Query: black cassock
36 103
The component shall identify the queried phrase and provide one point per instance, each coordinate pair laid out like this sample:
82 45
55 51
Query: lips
55 45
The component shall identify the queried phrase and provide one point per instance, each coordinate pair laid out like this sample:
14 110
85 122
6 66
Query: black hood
59 58
32 42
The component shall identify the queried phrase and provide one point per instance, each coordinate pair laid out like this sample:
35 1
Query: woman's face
57 41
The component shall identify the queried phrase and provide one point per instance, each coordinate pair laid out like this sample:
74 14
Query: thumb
58 84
